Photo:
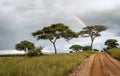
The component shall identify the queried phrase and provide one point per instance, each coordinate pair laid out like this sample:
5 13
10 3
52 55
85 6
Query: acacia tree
111 43
25 46
55 32
75 47
92 32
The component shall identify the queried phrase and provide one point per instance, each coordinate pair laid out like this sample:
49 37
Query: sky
19 18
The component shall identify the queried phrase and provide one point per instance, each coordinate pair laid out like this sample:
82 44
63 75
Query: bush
32 53
114 53
71 51
35 52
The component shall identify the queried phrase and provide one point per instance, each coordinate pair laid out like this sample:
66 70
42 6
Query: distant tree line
59 30
110 44
77 48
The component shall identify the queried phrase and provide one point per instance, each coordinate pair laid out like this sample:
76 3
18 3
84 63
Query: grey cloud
18 19
109 18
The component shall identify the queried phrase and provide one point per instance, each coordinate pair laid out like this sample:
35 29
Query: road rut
100 64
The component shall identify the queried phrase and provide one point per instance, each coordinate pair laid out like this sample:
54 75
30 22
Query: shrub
35 52
71 51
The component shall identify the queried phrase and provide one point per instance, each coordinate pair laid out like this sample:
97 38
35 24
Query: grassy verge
115 53
46 65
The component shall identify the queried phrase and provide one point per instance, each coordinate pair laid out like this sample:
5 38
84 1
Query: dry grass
115 53
46 65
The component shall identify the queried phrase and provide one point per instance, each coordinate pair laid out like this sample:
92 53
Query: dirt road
100 64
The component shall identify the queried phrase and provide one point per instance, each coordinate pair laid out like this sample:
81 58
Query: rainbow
80 21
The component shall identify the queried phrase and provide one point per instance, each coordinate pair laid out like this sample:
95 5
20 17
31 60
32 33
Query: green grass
46 65
115 53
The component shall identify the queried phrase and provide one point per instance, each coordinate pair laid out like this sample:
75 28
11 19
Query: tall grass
115 53
47 65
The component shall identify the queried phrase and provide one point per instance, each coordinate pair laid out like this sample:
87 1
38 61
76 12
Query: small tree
92 32
25 46
111 43
75 47
55 32
85 48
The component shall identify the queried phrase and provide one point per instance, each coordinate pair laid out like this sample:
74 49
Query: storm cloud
18 19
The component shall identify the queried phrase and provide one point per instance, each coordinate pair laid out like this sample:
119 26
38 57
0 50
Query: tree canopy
92 32
76 47
25 46
111 43
55 32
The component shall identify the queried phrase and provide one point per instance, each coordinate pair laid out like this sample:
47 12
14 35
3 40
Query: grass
115 53
46 65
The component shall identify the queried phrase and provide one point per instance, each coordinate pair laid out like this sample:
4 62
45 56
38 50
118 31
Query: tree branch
55 40
51 41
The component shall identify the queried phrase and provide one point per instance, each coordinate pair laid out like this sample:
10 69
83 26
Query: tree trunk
92 44
53 42
25 51
55 48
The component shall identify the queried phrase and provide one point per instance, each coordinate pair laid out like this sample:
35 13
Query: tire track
100 64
